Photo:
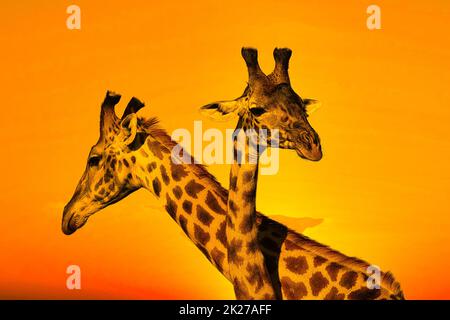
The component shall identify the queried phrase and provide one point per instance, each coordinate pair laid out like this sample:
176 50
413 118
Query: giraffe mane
354 263
151 127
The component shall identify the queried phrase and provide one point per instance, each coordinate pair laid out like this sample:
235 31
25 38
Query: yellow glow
381 188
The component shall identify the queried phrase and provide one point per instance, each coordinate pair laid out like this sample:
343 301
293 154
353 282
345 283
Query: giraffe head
102 183
269 102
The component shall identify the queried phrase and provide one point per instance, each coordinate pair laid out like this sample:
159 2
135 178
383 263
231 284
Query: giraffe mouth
74 223
315 154
69 227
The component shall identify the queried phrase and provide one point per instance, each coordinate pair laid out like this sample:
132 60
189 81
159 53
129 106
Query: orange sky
381 188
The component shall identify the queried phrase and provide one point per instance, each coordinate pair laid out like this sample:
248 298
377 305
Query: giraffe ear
222 110
311 105
128 129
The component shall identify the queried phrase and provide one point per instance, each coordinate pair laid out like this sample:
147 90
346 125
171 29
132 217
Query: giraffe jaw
70 226
314 155
73 223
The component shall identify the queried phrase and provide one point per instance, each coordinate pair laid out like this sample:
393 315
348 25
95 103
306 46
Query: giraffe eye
257 111
94 161
297 125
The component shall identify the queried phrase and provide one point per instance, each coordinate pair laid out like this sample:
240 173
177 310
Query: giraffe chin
73 224
314 155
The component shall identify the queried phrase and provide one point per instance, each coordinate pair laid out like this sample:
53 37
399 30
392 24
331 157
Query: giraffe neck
200 210
191 196
247 265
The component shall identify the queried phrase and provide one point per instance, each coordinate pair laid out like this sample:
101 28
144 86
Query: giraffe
133 152
267 102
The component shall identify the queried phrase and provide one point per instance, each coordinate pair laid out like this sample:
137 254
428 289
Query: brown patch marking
317 283
333 270
334 295
204 216
156 186
171 207
212 203
187 206
318 261
298 265
234 248
164 175
218 257
221 234
364 294
248 176
201 235
192 188
154 147
293 290
177 192
183 223
255 276
233 183
178 171
348 279
247 224
233 207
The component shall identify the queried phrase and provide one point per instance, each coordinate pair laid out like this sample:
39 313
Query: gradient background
380 192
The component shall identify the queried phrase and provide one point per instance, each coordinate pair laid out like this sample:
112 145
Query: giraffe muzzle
68 223
73 223
73 218
313 154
